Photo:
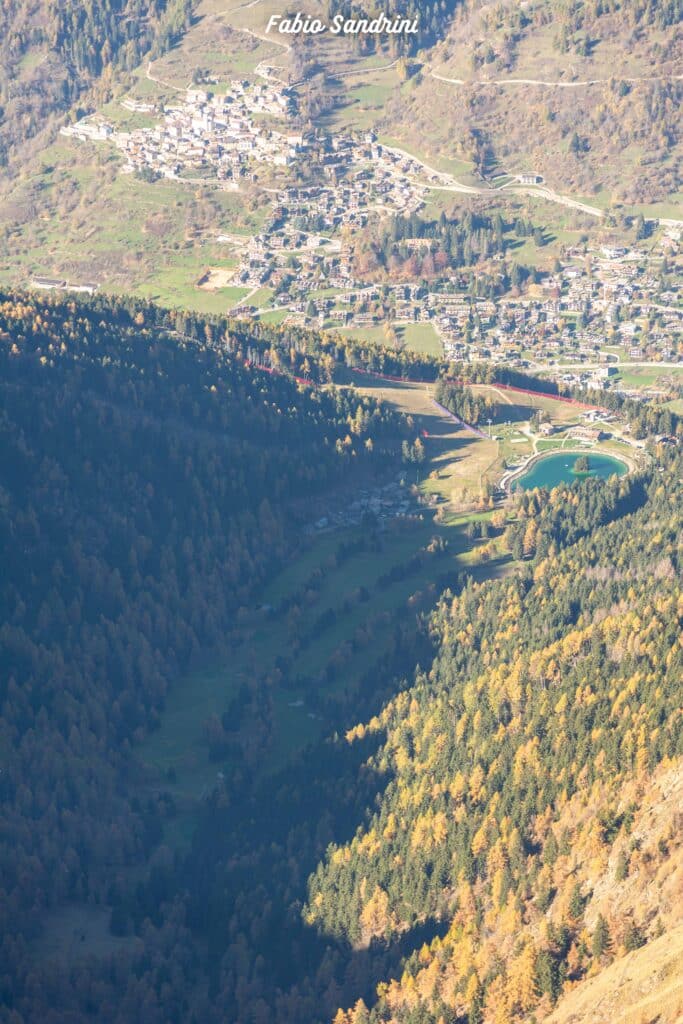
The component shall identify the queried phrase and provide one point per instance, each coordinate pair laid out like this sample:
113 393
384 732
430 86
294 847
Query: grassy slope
71 930
179 745
646 986
209 691
421 338
153 240
460 459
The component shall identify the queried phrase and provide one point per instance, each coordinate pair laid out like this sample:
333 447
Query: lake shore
510 477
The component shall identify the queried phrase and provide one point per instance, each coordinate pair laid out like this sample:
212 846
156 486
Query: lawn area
372 93
324 293
635 378
670 209
127 120
75 929
417 337
548 446
646 377
275 316
261 298
367 96
542 256
371 334
175 286
421 338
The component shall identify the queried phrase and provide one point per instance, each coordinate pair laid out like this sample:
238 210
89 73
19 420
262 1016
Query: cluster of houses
219 136
299 244
87 130
216 135
591 300
391 501
597 297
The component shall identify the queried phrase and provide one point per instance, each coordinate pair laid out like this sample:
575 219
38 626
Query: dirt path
245 6
501 394
263 69
160 81
245 298
551 85
367 71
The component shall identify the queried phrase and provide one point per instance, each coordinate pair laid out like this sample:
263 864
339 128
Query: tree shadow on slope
247 875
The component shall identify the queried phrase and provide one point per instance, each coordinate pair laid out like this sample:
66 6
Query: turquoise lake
558 468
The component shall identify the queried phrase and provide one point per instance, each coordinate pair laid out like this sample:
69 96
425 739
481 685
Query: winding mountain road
366 71
447 183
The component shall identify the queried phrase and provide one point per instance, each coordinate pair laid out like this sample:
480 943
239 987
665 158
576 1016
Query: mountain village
302 261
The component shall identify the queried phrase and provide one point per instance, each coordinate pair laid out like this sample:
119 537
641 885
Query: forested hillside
464 403
408 247
149 481
528 805
52 52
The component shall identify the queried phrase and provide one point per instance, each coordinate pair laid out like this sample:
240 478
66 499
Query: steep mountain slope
586 95
516 807
535 774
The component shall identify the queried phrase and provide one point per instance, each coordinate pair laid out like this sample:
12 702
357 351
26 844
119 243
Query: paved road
554 367
554 197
